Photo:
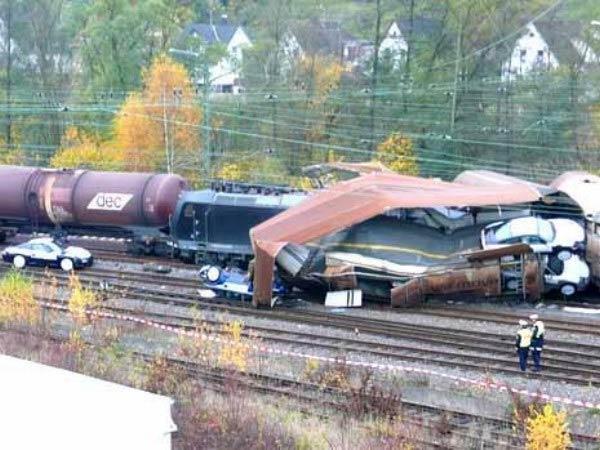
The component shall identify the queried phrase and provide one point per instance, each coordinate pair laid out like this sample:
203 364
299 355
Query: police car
47 252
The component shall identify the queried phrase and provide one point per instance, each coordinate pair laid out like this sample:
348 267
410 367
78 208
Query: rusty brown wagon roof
491 178
350 202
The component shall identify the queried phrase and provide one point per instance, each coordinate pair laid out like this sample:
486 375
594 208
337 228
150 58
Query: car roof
530 226
42 240
524 226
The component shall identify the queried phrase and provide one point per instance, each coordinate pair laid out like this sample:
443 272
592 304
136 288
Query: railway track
589 327
563 361
449 349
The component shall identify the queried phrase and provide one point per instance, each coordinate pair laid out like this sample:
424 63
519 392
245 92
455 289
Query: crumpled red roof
350 202
491 178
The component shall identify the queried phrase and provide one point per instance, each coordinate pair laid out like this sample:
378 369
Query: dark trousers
536 353
523 353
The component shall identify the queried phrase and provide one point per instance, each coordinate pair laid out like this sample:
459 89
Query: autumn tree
83 149
317 77
250 167
158 128
397 153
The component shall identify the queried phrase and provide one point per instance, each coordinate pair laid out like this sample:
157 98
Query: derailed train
158 214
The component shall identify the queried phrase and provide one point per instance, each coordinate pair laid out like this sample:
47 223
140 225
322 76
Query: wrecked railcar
351 202
513 271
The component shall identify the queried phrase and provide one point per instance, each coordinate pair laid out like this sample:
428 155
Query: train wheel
19 261
66 264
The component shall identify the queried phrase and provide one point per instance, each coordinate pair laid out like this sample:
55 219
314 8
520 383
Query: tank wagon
137 205
211 226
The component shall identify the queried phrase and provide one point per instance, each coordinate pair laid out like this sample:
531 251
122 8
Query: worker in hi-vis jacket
537 341
523 343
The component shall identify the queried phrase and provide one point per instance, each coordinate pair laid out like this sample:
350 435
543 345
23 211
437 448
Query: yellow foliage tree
235 350
233 172
253 168
17 302
547 430
80 149
397 153
156 129
81 299
322 74
12 154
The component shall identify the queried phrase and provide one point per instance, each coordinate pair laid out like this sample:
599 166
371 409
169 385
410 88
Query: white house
548 45
394 45
224 76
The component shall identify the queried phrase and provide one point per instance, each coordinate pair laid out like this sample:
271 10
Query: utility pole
206 115
456 73
375 74
408 52
273 99
166 132
9 71
206 152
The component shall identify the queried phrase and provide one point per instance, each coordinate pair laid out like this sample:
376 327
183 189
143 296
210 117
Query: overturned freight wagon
513 270
351 202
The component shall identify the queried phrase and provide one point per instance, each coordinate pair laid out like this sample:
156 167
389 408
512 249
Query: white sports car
46 252
562 236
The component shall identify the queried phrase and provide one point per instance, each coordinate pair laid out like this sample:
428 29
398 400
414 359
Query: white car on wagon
567 276
561 236
46 252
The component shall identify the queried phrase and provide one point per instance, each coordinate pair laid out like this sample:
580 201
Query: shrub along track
445 427
563 361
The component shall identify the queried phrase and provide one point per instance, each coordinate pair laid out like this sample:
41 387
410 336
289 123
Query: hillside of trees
93 84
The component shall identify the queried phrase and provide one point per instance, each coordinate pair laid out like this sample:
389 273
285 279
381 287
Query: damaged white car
564 237
568 276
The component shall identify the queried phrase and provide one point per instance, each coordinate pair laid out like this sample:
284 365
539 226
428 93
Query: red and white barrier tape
487 384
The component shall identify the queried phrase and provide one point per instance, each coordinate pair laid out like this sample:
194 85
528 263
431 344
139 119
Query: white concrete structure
42 407
226 74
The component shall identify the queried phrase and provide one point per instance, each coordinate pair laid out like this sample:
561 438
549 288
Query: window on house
523 54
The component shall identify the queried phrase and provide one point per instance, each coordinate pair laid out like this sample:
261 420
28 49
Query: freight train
155 213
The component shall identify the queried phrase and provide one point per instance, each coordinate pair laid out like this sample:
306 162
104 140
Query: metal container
88 198
13 182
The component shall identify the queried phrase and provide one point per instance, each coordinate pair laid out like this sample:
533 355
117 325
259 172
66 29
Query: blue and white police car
47 252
